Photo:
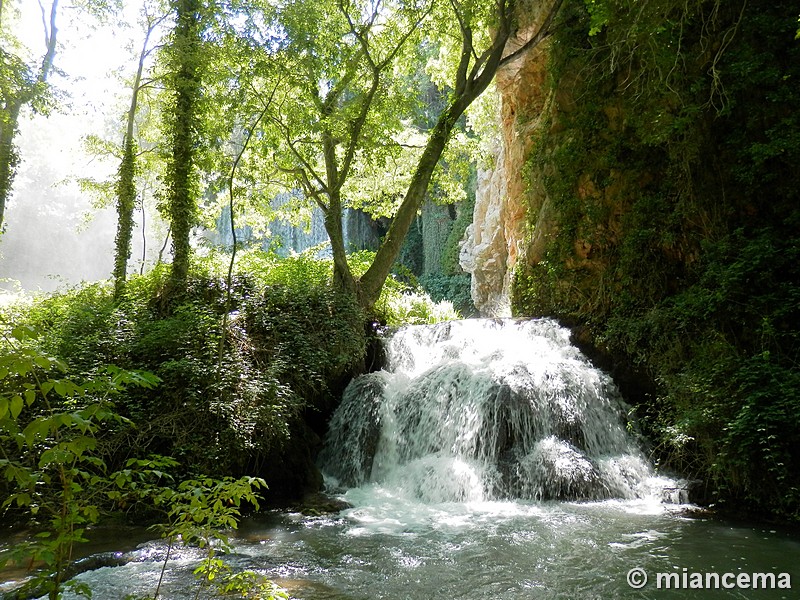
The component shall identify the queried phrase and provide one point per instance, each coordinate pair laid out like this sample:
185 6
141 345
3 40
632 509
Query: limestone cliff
496 240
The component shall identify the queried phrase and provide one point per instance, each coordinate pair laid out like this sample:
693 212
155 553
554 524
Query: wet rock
320 503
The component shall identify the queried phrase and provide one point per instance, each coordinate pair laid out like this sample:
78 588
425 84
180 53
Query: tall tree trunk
371 283
126 182
182 180
126 202
343 279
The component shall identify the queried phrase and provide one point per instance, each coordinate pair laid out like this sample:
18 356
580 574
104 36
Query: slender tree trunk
8 154
343 279
126 202
126 182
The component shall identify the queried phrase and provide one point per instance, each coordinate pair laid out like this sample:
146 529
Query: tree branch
543 33
50 34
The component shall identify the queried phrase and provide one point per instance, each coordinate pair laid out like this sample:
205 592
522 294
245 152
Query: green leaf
3 407
36 430
54 456
16 406
23 332
42 361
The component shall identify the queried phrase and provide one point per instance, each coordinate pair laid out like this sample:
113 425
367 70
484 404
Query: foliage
51 465
667 153
20 85
431 251
455 289
725 358
291 341
453 283
411 308
201 511
403 301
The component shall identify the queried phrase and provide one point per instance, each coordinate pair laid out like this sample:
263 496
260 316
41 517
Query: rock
496 240
484 251
320 503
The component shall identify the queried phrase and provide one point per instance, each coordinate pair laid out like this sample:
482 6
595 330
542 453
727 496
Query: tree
184 78
20 86
344 102
126 176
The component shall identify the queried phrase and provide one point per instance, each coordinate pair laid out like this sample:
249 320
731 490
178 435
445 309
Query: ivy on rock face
671 159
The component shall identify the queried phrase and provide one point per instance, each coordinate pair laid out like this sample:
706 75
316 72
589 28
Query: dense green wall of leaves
290 344
669 154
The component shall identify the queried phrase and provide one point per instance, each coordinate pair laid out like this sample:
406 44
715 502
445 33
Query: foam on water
481 410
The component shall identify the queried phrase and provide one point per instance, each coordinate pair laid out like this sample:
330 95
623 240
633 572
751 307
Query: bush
227 399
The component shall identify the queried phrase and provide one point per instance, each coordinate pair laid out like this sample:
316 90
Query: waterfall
486 409
286 238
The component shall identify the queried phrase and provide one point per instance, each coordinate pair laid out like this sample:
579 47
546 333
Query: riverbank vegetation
149 404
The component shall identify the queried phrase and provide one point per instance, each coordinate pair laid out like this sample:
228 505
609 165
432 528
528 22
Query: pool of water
390 547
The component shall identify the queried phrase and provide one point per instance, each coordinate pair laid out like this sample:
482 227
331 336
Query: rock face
485 249
496 240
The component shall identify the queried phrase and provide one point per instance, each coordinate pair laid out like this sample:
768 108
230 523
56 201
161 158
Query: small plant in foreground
48 453
200 512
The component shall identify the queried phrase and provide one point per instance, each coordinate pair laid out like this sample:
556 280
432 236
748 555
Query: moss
673 183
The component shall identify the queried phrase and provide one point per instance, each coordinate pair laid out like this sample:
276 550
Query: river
490 460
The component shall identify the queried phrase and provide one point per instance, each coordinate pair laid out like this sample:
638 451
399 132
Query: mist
54 237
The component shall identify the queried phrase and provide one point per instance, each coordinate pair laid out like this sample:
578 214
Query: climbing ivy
185 63
668 156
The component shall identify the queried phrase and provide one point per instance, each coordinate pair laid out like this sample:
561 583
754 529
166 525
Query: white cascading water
486 409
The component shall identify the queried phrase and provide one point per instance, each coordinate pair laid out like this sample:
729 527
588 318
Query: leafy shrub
53 472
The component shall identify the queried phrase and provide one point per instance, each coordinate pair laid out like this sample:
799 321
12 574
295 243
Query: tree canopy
337 83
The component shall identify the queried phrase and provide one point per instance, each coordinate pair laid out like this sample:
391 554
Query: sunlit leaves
201 510
599 13
326 59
